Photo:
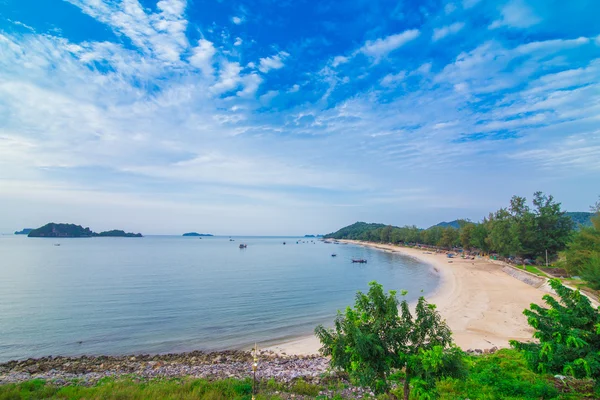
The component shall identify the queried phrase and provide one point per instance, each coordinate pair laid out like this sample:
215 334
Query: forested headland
54 230
520 232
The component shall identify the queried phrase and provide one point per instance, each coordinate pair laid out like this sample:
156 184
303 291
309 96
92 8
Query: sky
293 117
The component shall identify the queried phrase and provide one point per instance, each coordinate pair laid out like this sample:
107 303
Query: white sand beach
482 304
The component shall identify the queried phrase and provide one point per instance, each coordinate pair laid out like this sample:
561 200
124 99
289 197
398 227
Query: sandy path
482 305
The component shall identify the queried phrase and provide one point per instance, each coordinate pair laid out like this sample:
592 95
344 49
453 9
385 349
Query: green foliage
372 341
450 238
502 375
61 230
308 389
75 231
584 251
518 230
568 334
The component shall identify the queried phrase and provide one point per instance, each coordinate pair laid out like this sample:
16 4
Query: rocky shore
218 365
88 370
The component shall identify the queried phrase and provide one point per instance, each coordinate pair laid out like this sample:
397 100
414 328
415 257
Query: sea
167 294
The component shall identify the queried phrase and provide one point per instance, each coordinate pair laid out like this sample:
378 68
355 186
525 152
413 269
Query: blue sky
293 117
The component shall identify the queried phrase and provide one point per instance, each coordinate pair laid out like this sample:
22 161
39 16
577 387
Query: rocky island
25 231
196 234
75 231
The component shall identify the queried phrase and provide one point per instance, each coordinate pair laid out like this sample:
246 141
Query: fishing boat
243 246
334 255
359 260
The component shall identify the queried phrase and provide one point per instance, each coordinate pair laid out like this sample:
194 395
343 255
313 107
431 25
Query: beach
482 305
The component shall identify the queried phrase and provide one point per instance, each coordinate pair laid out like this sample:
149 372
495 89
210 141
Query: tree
500 238
479 236
372 341
552 227
449 238
466 235
522 227
385 235
568 333
583 252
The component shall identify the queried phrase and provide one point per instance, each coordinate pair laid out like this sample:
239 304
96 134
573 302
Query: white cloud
294 88
274 62
266 98
251 82
238 20
162 33
439 33
424 69
202 56
449 8
238 41
383 46
339 60
393 79
516 14
229 77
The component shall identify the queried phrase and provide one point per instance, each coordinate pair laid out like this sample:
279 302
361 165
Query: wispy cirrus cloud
440 33
205 112
516 14
383 46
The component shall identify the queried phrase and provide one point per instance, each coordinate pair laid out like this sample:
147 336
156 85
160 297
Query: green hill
452 224
354 231
581 218
75 231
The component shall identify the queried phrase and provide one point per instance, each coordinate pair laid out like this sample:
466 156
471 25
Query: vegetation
25 231
568 334
196 234
581 218
583 253
516 231
118 233
505 375
502 375
372 342
75 231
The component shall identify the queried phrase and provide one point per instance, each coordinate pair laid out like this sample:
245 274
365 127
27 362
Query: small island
196 234
54 230
25 231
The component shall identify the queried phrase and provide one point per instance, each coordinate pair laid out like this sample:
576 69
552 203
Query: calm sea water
170 294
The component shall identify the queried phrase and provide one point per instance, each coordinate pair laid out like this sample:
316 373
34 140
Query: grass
533 270
142 389
502 375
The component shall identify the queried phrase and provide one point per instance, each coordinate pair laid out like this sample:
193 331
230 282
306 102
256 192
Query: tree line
518 230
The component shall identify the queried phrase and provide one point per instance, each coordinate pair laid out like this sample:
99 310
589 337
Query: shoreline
482 305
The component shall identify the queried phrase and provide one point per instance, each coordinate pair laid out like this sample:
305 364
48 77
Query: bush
502 375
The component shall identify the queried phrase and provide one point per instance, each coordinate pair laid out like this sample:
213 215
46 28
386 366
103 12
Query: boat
283 242
231 240
243 246
334 255
57 244
359 260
